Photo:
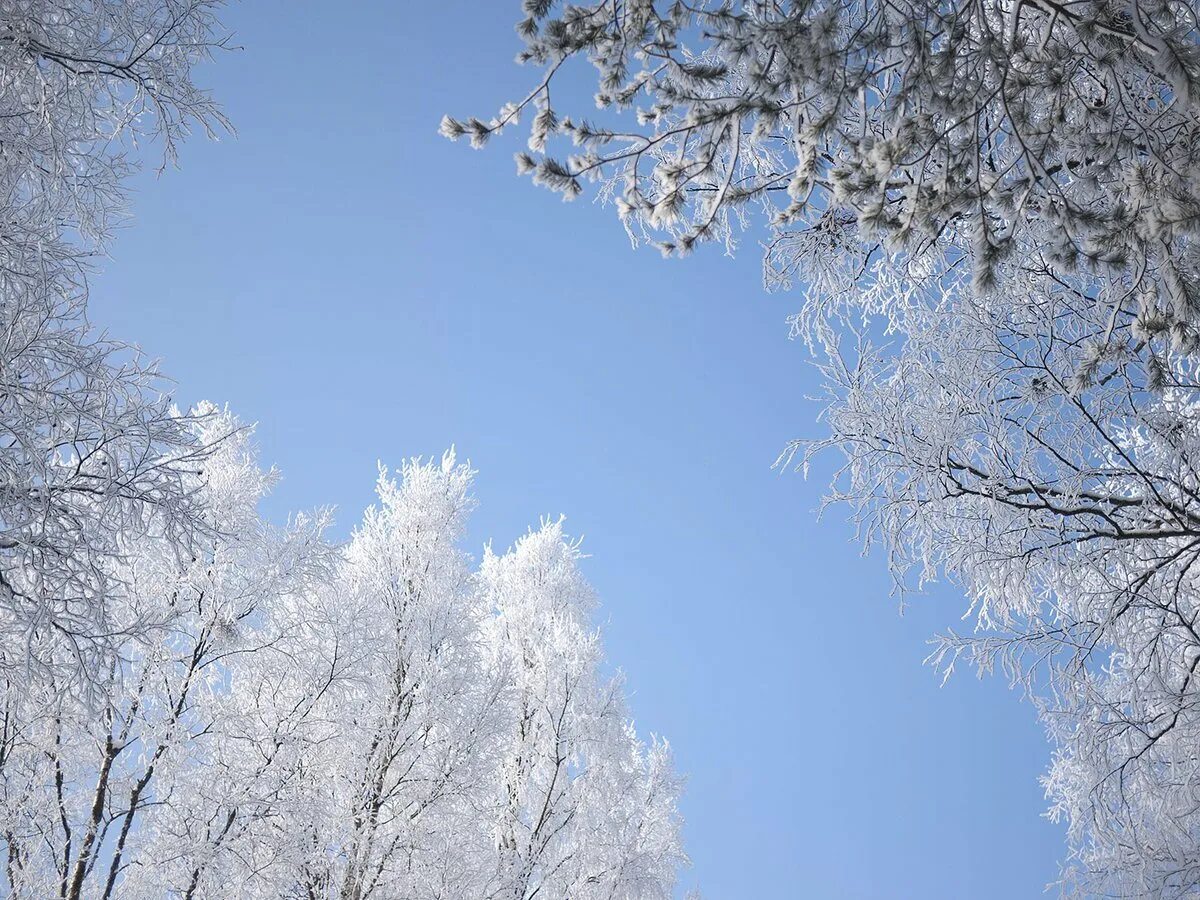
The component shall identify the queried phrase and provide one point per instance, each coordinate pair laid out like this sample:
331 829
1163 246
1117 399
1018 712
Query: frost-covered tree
89 449
1012 444
907 119
93 460
569 746
482 753
379 719
142 787
82 83
401 804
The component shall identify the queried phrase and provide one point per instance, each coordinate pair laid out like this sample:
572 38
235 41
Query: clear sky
365 291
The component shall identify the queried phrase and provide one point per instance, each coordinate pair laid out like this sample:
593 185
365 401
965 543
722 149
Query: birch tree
571 751
484 754
403 808
1011 445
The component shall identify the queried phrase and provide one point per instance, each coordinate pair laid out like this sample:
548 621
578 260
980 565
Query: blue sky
367 291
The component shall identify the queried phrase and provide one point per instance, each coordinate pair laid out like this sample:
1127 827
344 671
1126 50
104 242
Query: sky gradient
367 291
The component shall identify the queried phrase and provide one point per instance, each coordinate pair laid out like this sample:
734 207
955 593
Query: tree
93 458
1004 442
402 806
141 788
588 810
91 450
990 211
913 118
370 720
482 754
82 84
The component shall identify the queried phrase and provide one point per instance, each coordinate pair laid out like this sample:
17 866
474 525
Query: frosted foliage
373 720
572 747
181 747
1041 451
93 460
907 121
81 81
195 703
90 452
